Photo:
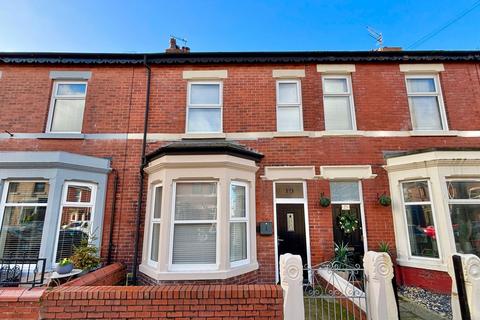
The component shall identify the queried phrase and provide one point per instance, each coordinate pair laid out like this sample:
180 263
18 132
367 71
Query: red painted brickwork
20 303
115 104
435 281
165 302
109 275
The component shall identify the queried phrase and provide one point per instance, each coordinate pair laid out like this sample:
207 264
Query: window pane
289 119
288 93
155 242
421 231
68 115
426 114
335 85
72 89
157 206
26 192
289 190
463 189
416 191
21 232
420 85
204 120
205 94
338 115
238 201
344 191
238 241
196 201
466 227
74 227
79 194
194 244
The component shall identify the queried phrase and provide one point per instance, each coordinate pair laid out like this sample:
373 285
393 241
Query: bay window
195 225
464 205
420 221
22 212
155 222
76 216
204 109
238 223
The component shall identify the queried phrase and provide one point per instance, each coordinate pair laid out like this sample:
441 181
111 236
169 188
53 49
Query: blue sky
242 25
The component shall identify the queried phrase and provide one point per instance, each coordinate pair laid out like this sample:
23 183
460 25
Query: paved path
412 311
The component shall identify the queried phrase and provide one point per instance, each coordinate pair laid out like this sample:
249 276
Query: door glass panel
344 191
289 190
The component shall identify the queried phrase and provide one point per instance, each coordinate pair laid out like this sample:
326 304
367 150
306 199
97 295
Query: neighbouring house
205 167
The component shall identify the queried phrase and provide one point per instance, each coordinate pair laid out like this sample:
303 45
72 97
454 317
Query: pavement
410 310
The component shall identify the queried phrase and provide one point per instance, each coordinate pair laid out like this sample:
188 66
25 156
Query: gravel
438 303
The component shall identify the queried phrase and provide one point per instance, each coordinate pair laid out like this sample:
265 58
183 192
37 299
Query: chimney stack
174 48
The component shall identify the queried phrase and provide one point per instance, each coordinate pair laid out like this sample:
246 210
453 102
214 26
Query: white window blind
289 110
195 223
338 103
238 222
23 217
67 106
425 102
204 114
76 217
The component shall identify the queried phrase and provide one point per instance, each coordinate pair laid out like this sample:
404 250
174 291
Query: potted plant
85 256
341 260
384 246
64 266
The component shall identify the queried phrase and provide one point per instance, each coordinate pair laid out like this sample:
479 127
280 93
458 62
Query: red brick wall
435 281
20 303
110 275
115 104
173 302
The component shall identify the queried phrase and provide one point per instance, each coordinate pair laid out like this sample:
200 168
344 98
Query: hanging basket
324 201
384 200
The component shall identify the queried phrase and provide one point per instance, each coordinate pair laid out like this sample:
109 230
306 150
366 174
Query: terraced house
205 167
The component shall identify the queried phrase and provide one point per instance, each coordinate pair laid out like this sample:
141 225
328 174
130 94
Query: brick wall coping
21 294
97 277
165 292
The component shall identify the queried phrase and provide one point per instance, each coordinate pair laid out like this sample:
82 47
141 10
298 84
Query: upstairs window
338 103
426 103
204 111
67 106
289 106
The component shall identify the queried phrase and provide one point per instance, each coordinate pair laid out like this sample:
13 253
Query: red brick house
208 166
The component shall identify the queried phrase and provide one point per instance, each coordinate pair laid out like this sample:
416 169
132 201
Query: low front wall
110 275
20 303
431 280
173 302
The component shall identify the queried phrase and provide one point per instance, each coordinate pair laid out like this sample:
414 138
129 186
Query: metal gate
334 291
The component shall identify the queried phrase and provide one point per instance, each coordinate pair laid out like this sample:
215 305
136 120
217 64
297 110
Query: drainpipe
142 176
112 216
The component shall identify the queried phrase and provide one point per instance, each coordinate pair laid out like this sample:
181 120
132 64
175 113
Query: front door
291 230
353 239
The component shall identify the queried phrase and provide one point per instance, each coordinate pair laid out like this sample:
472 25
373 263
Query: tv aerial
377 36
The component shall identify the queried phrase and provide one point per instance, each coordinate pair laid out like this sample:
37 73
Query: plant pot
64 269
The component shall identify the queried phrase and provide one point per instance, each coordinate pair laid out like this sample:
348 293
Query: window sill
219 135
429 264
419 133
342 133
279 134
51 135
197 275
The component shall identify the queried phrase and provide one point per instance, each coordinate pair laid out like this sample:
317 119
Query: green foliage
64 262
384 200
85 256
384 246
348 222
342 253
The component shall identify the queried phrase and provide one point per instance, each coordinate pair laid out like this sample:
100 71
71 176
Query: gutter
142 174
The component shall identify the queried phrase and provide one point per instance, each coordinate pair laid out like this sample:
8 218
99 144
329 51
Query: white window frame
204 106
54 98
362 209
66 203
348 94
437 93
290 105
153 221
434 217
4 204
240 219
194 267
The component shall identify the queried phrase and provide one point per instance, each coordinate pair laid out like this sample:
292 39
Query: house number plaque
290 222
